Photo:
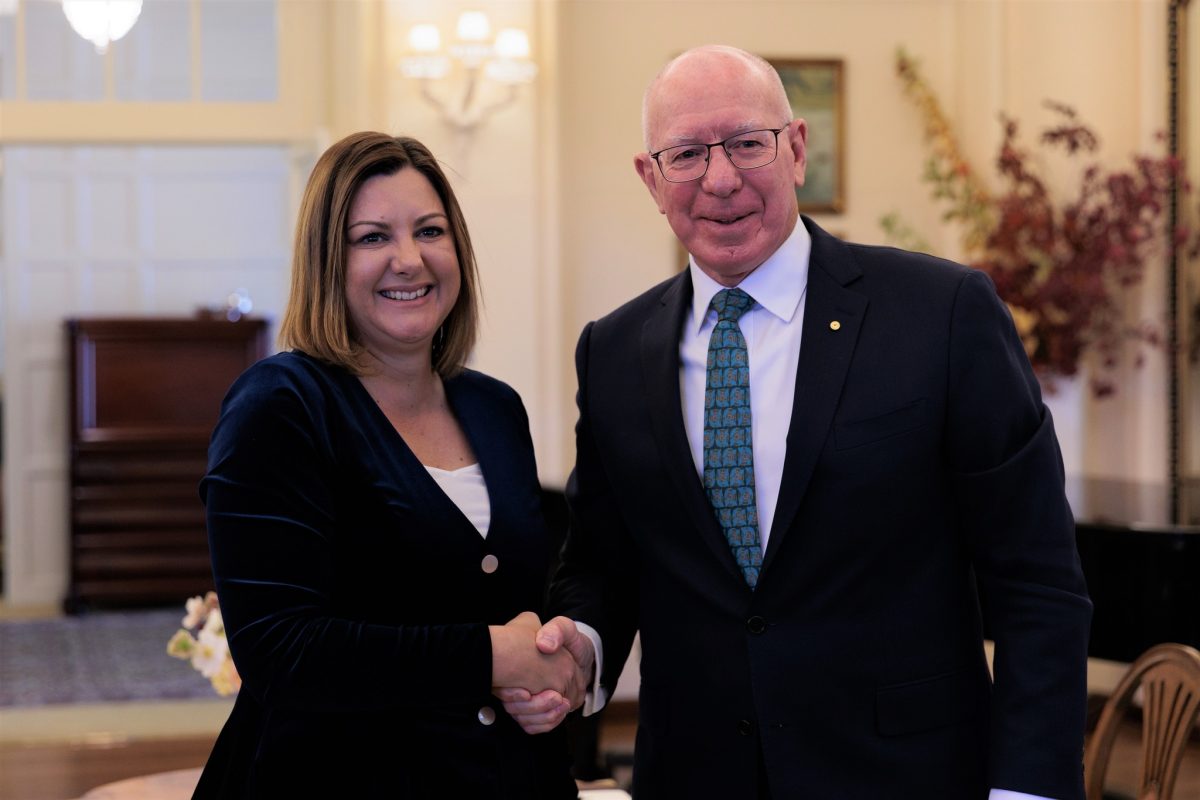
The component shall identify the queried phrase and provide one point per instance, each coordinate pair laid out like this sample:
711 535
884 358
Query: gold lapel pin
835 326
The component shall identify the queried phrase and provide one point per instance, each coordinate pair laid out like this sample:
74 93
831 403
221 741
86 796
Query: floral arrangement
1062 269
202 641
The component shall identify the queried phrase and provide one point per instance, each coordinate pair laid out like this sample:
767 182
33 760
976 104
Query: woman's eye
431 232
374 237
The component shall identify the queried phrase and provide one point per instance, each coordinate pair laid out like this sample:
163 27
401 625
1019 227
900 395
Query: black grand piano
1143 571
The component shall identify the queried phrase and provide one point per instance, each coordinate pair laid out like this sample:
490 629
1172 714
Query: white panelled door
105 230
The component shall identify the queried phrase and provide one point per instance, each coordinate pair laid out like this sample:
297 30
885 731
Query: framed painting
815 90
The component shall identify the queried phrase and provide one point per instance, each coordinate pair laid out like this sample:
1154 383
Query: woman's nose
406 255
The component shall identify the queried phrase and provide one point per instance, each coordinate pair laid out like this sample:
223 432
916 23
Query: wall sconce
504 61
102 21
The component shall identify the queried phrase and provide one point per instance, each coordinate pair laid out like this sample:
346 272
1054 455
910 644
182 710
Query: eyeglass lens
746 150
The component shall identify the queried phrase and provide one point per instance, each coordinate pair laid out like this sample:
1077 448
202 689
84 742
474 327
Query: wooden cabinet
145 394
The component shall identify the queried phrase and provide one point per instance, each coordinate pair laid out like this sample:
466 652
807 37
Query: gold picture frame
816 90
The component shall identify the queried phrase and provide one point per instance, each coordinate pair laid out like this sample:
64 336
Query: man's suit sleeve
596 581
1009 487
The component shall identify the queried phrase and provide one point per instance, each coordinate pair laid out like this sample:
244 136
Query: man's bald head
712 57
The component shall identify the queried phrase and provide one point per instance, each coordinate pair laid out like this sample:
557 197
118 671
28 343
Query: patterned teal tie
728 457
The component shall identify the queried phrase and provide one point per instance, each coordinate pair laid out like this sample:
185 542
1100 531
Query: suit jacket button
745 727
486 716
489 564
756 624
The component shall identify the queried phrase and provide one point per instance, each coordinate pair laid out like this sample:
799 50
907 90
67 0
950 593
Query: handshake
540 672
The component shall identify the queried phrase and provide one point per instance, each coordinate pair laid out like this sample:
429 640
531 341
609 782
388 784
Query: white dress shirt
771 328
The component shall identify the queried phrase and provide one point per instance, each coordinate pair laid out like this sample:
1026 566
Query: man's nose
722 177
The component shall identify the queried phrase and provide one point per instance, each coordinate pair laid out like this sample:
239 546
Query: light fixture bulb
473 26
425 38
102 21
512 43
477 58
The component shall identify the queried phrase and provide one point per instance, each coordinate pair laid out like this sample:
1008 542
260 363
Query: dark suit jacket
921 473
354 600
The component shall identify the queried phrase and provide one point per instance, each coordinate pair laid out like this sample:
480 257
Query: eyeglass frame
708 153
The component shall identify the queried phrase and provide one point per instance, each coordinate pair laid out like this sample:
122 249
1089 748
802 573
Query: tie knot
731 304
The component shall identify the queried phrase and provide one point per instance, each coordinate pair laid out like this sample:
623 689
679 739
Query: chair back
1169 675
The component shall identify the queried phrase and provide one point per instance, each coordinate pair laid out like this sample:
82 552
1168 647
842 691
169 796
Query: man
811 567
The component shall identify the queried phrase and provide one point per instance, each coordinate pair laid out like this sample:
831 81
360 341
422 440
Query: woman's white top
466 489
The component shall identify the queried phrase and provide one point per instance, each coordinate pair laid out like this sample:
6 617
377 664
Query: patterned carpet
95 658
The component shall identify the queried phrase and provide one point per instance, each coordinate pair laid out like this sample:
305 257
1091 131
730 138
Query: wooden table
179 785
176 785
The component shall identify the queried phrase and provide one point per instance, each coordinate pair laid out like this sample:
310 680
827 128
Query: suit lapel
660 374
491 447
826 350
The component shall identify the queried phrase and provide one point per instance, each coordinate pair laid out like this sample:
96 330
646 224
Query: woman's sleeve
270 502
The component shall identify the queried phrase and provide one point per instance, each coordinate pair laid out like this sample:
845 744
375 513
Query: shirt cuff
1006 794
598 696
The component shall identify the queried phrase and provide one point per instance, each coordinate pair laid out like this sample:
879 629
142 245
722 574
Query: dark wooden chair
1169 676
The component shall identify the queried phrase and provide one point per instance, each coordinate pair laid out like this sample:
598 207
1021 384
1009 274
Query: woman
374 516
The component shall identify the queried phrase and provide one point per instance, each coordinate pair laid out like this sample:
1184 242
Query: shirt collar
777 284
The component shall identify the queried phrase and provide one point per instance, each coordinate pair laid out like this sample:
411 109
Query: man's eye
685 154
745 144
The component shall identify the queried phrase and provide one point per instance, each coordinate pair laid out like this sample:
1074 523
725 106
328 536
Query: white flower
196 611
227 681
215 623
182 644
208 649
211 652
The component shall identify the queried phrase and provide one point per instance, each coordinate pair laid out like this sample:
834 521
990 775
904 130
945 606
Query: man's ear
797 136
648 172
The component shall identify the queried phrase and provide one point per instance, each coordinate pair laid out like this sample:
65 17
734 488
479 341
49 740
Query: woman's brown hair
317 320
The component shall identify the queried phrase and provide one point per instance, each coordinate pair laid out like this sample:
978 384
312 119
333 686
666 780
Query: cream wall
132 209
1105 57
504 174
564 229
300 108
338 74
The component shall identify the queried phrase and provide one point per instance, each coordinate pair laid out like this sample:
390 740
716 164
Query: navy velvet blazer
922 476
354 599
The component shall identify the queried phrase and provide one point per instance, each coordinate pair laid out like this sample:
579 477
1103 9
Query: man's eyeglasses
749 150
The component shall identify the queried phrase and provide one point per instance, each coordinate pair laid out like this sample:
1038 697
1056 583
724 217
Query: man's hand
538 712
518 661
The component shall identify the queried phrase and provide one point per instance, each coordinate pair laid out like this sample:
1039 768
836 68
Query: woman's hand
516 660
538 711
